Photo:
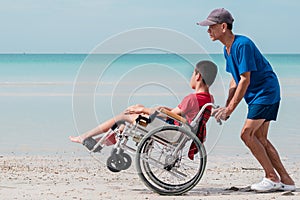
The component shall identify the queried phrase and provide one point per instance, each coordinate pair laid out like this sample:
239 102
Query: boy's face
193 80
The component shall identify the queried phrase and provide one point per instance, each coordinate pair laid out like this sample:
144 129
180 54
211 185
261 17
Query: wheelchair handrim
169 188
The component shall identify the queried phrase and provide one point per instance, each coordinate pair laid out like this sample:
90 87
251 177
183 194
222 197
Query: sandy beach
82 177
38 161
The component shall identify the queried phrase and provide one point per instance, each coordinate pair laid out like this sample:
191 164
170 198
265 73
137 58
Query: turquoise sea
44 98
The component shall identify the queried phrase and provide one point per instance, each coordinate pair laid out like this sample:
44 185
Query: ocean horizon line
133 53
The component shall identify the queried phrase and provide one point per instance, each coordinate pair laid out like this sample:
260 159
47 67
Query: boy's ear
198 77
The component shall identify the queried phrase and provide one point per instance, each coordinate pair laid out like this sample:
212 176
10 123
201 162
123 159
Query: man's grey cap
217 16
208 71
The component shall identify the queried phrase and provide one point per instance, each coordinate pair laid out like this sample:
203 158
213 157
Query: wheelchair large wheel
165 166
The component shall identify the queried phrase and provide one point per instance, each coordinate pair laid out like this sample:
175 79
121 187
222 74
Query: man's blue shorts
267 112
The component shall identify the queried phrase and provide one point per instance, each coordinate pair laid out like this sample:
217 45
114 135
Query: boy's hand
135 109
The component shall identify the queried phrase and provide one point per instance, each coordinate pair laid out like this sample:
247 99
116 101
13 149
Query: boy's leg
104 127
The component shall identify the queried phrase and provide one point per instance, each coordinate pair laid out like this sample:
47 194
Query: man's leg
262 136
249 137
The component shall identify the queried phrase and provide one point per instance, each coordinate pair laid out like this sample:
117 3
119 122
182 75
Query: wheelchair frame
161 151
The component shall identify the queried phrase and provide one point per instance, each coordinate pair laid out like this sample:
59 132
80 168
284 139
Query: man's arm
239 92
234 97
232 89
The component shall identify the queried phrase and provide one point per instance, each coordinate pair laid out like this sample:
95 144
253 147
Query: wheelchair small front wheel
126 161
170 160
115 163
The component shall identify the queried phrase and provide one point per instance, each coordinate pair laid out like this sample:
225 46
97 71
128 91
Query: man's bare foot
76 139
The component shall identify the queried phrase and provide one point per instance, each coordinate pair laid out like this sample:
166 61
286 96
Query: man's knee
247 135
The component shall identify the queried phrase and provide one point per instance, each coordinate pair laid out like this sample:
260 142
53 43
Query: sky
78 26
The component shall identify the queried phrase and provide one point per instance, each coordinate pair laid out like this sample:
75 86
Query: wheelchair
170 159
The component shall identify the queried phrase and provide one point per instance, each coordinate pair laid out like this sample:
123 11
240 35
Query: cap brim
206 23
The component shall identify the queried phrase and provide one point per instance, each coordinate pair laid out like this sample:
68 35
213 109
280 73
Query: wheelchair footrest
89 143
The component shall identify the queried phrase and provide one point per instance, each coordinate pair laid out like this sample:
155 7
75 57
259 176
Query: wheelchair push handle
215 107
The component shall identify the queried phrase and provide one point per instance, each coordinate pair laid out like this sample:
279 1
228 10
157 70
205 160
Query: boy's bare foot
76 139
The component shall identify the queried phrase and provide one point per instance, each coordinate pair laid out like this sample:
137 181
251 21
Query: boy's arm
175 114
140 109
177 111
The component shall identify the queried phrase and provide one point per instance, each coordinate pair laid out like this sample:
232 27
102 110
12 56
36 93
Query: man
254 80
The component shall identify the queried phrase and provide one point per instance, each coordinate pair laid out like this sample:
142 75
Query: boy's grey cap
217 16
208 71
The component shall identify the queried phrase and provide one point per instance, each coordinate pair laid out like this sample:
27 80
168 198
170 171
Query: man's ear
224 27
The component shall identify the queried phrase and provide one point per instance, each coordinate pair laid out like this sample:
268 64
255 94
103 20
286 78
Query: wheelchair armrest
173 115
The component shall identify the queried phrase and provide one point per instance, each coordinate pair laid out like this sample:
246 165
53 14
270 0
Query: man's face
215 31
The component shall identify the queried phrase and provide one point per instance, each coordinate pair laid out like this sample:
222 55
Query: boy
203 76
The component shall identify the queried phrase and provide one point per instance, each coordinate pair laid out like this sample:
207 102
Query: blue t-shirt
245 57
